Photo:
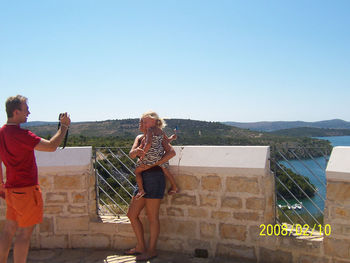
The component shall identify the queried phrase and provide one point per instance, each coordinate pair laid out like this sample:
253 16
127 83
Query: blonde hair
160 123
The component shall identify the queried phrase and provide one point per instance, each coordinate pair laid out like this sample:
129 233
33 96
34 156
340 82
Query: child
152 152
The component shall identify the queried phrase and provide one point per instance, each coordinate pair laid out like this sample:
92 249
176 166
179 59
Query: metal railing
115 180
300 184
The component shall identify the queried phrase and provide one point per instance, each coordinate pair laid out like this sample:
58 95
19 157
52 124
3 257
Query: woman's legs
135 208
152 209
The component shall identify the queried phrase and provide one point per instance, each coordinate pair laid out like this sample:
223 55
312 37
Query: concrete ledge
67 157
252 157
338 168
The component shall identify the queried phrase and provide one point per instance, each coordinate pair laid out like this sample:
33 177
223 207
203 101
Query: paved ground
108 256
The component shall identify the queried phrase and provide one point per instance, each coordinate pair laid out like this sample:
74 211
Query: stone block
77 209
340 261
53 198
337 247
90 241
104 228
171 227
174 211
257 236
255 203
79 197
53 241
126 228
247 216
198 212
221 215
184 199
207 230
312 259
242 185
340 213
237 253
170 243
69 182
275 256
92 179
53 209
208 200
231 202
211 183
72 223
47 225
338 191
187 182
231 231
45 182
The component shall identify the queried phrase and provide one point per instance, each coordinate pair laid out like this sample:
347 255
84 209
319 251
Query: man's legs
21 246
6 237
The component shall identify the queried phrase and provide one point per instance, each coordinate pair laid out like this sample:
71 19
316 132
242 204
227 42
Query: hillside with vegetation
190 132
121 133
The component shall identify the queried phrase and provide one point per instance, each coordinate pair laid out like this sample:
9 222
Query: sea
315 171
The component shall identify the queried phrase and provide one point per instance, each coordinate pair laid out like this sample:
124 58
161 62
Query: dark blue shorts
153 183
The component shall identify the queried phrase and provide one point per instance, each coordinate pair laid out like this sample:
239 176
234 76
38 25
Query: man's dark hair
14 103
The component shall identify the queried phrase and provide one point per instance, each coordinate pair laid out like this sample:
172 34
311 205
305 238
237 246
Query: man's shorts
24 205
153 183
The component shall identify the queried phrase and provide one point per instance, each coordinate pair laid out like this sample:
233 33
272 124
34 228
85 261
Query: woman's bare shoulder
140 137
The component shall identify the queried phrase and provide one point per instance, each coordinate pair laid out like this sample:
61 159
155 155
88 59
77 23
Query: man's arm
52 144
1 176
2 184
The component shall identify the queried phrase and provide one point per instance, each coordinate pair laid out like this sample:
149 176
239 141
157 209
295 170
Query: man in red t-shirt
22 191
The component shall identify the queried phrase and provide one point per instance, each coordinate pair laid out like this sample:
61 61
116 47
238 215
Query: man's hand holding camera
64 120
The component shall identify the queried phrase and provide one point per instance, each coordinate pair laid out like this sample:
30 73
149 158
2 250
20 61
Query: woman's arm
135 150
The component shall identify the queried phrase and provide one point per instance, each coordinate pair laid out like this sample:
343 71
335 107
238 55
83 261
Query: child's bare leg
139 182
174 189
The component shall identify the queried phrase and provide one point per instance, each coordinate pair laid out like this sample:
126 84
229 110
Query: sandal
172 191
132 252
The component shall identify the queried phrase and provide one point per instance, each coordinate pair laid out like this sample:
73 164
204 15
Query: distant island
269 126
312 132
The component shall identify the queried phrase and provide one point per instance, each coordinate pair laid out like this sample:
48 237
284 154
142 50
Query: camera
59 125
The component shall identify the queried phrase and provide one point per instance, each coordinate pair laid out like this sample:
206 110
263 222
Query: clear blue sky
205 60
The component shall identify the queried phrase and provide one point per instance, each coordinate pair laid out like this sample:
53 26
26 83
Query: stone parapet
337 208
227 193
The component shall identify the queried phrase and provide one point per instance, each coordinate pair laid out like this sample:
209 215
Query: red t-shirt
17 153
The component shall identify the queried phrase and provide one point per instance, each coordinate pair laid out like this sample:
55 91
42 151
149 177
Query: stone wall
226 194
337 211
70 220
